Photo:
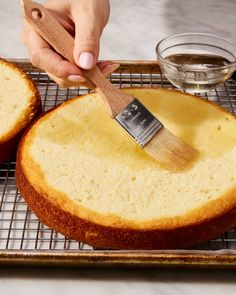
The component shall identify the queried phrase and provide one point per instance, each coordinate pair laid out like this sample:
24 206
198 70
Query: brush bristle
170 151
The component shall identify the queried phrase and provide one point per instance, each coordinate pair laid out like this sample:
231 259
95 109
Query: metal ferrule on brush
139 122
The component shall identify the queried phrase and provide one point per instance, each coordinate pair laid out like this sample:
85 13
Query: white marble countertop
134 28
37 281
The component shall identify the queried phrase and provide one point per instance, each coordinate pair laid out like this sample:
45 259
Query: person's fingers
42 56
63 83
62 72
89 23
104 64
86 48
106 67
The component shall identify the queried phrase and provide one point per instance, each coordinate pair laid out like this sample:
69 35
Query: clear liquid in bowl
197 72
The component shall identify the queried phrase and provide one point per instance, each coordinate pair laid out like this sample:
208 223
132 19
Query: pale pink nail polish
86 60
76 78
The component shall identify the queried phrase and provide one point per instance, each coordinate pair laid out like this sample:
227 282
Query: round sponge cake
19 105
83 176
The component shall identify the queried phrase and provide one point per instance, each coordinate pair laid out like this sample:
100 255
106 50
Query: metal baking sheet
25 240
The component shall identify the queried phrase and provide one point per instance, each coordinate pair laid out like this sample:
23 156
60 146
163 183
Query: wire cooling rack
24 239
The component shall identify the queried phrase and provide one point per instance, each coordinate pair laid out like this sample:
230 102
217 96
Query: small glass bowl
196 62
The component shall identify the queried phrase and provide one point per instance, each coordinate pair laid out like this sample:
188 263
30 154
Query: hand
83 19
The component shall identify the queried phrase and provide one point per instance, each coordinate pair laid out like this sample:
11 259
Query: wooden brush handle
57 36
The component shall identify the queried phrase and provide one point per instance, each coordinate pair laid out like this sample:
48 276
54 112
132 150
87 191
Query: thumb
86 46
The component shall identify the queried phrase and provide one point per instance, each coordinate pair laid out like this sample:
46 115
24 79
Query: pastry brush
127 110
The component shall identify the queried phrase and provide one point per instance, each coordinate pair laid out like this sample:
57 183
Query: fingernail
76 78
110 68
86 60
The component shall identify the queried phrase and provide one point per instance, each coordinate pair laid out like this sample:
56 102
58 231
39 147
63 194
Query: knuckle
35 58
88 44
61 82
60 71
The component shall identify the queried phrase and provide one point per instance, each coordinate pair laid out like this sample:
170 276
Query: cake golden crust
110 231
10 140
103 236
